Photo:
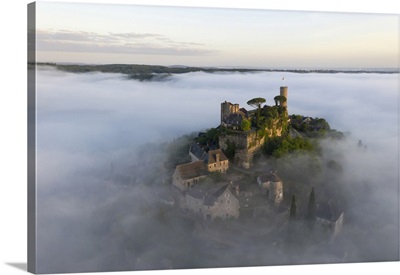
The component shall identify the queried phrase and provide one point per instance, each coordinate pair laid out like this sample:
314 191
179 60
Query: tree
293 208
279 99
311 206
246 125
230 150
256 103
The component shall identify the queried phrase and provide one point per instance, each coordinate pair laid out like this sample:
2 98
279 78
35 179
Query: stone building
218 201
272 185
247 143
330 217
215 160
188 174
232 116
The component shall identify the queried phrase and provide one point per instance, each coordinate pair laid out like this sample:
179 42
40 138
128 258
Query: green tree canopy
279 99
256 102
246 125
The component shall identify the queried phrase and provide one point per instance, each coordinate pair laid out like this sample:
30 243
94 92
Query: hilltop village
224 181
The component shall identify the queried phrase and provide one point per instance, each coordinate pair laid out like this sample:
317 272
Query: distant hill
155 72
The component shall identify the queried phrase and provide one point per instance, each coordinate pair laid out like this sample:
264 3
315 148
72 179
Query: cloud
118 43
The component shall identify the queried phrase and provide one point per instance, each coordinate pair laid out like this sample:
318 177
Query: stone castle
223 199
197 194
247 143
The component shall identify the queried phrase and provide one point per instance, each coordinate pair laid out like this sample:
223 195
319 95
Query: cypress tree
311 206
293 208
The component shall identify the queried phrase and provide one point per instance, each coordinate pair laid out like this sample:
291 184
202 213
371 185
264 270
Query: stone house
210 202
215 160
329 217
188 174
219 201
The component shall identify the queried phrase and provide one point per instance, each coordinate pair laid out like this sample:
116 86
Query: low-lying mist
102 141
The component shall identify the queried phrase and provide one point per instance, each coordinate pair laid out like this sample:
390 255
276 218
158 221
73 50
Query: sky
157 35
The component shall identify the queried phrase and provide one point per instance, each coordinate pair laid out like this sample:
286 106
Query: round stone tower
276 192
284 92
273 185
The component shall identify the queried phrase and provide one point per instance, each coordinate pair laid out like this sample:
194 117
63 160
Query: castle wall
247 144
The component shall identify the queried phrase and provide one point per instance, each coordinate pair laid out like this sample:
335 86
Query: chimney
217 157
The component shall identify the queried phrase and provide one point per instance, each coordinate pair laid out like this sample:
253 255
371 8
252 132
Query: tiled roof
234 119
244 111
328 211
196 150
192 170
214 193
197 193
211 157
272 176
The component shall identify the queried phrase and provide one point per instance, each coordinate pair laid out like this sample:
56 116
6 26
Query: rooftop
211 158
192 170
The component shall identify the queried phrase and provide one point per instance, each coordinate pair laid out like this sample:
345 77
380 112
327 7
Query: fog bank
101 136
